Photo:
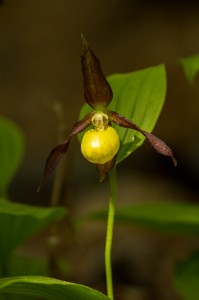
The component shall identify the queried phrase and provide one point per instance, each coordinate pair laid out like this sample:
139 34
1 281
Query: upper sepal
97 91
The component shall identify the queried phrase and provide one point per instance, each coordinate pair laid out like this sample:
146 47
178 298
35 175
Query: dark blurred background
41 84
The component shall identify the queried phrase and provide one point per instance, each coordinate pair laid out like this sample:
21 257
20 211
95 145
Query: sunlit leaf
138 96
19 221
190 65
49 288
11 151
165 216
186 278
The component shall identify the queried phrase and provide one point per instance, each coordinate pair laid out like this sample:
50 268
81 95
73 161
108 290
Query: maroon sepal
156 143
57 153
97 91
159 145
103 169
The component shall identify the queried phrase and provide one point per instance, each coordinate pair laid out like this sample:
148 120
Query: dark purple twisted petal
97 91
156 143
57 152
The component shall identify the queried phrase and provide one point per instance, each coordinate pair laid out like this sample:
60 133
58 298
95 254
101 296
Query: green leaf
190 66
19 221
169 217
138 96
49 288
11 152
186 278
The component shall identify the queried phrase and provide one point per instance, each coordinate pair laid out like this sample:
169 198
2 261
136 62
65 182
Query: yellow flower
101 144
99 147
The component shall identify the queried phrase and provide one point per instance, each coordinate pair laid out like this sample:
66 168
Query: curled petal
82 124
103 169
97 91
57 152
157 144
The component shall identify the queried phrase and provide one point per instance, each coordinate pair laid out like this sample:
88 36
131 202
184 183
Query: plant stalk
109 233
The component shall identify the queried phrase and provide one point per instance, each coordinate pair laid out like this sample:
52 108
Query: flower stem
109 233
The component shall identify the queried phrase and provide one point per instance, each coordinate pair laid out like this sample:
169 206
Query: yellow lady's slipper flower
99 147
101 144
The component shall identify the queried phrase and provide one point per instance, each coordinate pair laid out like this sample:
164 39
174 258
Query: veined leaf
19 221
11 152
138 96
164 216
190 65
49 288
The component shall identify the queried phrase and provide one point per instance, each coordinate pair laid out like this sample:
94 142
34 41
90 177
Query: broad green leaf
190 65
20 266
19 221
138 96
49 288
186 278
166 216
11 152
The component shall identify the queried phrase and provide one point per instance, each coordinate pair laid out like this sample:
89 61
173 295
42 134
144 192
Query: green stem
109 233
